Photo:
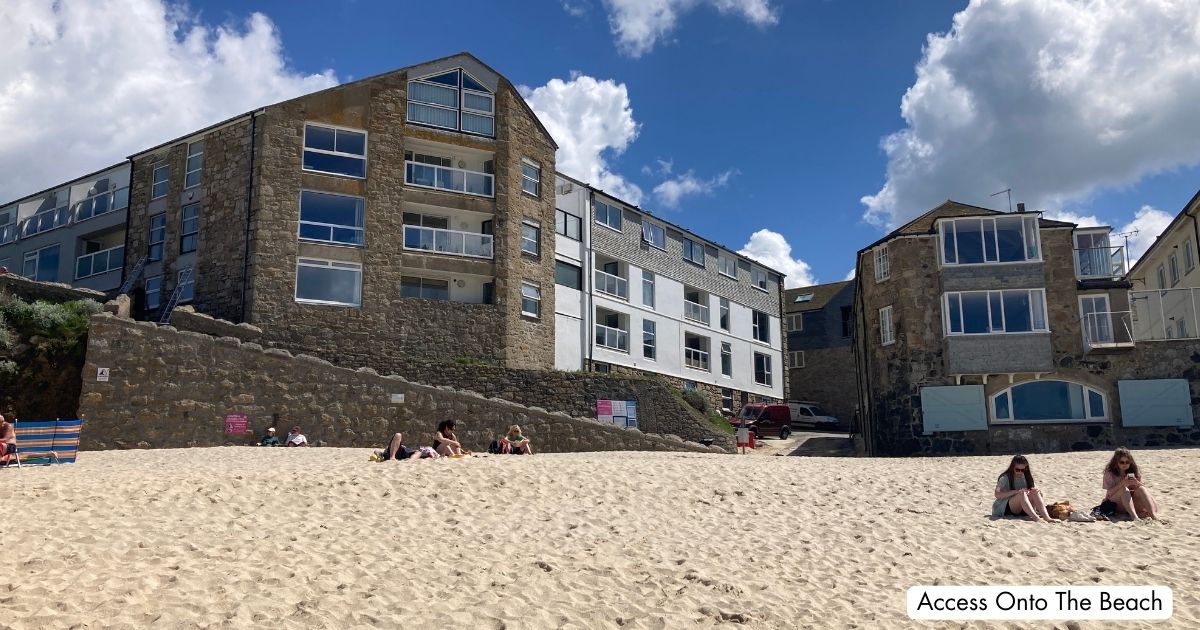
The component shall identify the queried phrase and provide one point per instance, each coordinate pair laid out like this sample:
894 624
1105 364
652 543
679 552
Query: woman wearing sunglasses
1016 493
1124 488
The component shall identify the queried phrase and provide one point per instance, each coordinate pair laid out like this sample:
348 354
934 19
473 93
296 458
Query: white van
809 414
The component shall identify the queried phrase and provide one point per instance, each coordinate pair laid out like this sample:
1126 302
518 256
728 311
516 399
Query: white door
1096 318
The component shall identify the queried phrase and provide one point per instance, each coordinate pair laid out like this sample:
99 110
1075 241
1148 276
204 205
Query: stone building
638 294
386 216
819 322
979 331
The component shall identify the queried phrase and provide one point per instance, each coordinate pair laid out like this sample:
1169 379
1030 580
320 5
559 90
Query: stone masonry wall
32 290
181 400
828 379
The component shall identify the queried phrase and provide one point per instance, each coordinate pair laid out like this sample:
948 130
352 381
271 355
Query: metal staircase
184 277
133 276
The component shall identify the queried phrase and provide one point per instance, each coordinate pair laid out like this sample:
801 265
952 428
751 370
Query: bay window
995 312
984 240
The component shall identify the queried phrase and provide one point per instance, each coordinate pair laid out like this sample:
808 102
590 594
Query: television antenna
1007 191
1127 235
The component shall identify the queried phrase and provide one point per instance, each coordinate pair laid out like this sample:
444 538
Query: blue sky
770 114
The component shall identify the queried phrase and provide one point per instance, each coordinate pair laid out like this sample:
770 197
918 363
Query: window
726 359
887 332
762 326
796 358
332 151
695 352
654 234
975 241
568 275
97 261
648 345
432 160
1049 401
847 321
758 277
160 181
795 322
153 292
567 225
185 281
452 100
158 234
693 252
531 300
1189 256
647 288
726 398
695 305
1173 261
530 236
190 232
727 265
724 318
608 215
612 330
329 218
883 264
1162 277
803 297
194 165
328 282
531 178
762 369
991 312
424 288
601 368
41 265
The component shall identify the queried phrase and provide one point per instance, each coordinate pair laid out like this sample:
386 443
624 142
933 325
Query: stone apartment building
638 294
819 321
978 331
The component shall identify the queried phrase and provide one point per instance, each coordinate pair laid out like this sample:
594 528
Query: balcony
1100 263
1112 329
453 242
696 359
1166 314
696 312
447 178
612 338
46 221
96 263
612 285
100 204
8 233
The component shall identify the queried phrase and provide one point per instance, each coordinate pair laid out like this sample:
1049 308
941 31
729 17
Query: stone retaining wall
32 290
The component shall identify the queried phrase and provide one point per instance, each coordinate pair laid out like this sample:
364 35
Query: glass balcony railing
1097 263
46 221
612 338
612 285
99 262
695 358
446 178
454 242
8 233
101 204
1107 329
695 312
1160 315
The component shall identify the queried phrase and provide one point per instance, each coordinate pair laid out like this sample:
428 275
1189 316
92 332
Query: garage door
1156 403
953 408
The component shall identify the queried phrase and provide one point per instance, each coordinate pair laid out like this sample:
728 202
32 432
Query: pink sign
604 408
235 424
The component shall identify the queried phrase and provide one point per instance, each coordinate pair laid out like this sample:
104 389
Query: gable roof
1191 208
927 223
822 294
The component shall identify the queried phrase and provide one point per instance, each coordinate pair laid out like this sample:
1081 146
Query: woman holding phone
1123 486
1017 495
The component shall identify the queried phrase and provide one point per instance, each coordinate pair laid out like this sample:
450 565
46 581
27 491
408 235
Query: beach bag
1060 510
1079 516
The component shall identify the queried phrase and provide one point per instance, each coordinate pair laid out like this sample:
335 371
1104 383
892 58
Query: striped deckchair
47 441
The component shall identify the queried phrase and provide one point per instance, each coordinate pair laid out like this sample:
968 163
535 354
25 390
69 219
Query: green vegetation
696 400
48 328
721 423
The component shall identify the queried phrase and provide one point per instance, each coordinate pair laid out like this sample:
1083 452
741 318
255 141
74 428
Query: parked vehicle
766 420
809 414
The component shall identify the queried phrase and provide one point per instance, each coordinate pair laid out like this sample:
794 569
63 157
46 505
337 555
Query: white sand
247 537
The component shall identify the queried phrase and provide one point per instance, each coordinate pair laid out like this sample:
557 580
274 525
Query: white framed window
762 369
194 166
328 282
726 398
758 278
160 181
726 359
531 300
153 289
987 240
883 264
41 264
329 218
647 288
612 330
723 318
1189 256
727 265
762 326
187 286
189 234
609 215
796 358
335 151
531 236
568 275
693 251
995 312
887 329
649 347
795 322
1173 263
695 352
567 224
654 234
1049 401
531 178
424 288
1162 277
452 100
158 235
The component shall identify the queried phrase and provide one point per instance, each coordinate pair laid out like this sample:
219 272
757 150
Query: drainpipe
588 275
126 250
249 199
866 412
785 370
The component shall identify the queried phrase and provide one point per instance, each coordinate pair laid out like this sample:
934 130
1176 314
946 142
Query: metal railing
103 261
612 338
447 178
1107 329
100 204
695 359
454 242
94 206
695 311
46 221
1165 314
612 285
1094 263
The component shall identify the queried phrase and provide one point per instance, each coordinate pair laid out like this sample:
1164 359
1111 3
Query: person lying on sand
397 450
445 442
1016 493
1123 487
514 442
296 438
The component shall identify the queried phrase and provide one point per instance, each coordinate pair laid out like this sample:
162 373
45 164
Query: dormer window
452 100
987 240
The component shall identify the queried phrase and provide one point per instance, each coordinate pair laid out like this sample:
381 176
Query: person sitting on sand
514 442
397 450
295 438
1016 493
445 442
1123 486
8 439
268 438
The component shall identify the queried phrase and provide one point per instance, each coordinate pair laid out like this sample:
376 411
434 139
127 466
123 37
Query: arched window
1049 401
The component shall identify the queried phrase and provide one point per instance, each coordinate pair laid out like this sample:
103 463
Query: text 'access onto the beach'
1040 602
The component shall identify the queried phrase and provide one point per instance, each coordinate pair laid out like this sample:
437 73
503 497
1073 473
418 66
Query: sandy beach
320 537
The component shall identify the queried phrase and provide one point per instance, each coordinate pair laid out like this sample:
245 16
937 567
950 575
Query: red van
766 420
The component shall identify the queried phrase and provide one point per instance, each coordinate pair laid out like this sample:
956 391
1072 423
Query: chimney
1020 207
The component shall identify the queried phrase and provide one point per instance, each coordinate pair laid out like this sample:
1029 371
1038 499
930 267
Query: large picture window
568 275
452 100
977 241
334 151
995 312
567 224
328 218
424 288
609 215
1049 401
328 282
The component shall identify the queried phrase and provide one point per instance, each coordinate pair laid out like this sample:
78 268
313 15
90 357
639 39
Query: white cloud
590 120
671 191
1058 99
772 249
850 274
640 24
1082 220
84 83
575 8
1149 223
